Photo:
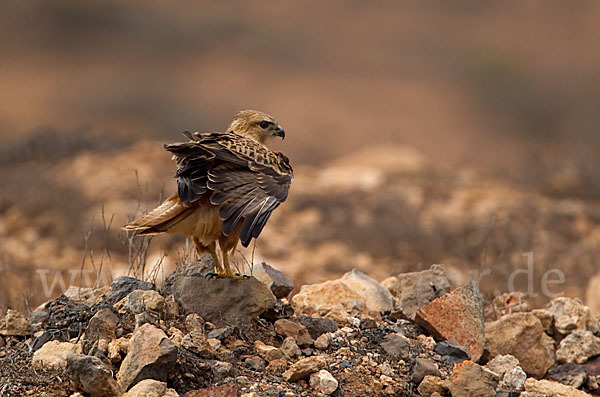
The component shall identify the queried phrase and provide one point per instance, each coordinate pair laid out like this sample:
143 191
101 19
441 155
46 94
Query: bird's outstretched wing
247 180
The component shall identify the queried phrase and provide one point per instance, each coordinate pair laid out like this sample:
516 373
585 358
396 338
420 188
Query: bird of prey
228 185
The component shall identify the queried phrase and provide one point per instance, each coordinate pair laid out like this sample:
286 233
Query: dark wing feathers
247 180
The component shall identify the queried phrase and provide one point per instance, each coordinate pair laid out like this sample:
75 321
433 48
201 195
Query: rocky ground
408 336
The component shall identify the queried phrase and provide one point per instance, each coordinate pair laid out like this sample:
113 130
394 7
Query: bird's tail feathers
160 219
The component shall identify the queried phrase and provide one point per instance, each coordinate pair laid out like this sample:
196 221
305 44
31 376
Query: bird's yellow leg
228 272
212 248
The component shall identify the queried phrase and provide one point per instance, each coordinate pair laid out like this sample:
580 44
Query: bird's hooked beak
279 132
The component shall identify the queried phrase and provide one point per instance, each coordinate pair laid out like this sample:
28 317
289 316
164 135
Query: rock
353 294
222 301
546 318
304 367
221 369
324 382
422 367
267 352
219 333
38 320
456 316
151 388
470 379
277 366
501 364
176 335
117 348
317 326
124 285
417 289
193 322
548 388
593 366
285 327
53 355
172 308
578 347
14 324
255 363
227 390
592 295
514 379
139 301
323 341
396 345
214 343
522 336
592 383
278 283
151 355
197 343
569 374
102 325
290 348
87 296
430 385
570 314
452 352
428 342
90 375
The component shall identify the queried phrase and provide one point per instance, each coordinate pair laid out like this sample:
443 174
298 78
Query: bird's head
256 125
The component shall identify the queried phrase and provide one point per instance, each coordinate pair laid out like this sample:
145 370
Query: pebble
267 352
290 348
324 382
323 341
299 332
422 367
304 367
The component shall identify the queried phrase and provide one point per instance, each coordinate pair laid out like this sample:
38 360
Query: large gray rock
417 289
89 374
280 285
456 316
222 301
152 355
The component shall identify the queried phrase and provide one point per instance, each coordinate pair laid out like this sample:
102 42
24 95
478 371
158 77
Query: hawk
228 185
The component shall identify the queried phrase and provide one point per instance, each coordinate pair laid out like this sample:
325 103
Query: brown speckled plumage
228 185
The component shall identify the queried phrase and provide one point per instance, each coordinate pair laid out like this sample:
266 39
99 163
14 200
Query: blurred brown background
462 132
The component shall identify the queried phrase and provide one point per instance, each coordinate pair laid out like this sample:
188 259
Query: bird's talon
211 275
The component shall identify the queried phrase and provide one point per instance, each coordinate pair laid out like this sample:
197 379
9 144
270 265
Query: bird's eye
264 124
